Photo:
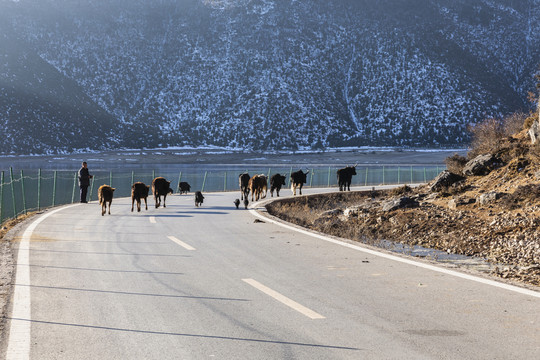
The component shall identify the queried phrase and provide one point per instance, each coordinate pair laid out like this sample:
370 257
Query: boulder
488 197
444 180
398 203
534 131
481 165
455 203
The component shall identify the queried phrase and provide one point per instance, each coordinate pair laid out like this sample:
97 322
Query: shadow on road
217 337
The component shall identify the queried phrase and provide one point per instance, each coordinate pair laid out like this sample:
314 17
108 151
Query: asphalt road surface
217 283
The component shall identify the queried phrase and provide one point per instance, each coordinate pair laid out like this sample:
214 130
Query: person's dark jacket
84 177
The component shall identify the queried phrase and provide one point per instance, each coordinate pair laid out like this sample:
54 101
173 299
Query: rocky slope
496 216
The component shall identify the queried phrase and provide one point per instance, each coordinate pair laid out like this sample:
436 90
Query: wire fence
24 191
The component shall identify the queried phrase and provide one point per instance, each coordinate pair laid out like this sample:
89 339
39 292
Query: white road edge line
284 300
152 219
402 260
19 331
181 243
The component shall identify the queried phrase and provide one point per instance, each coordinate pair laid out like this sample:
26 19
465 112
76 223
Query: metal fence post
91 188
329 176
289 179
411 175
178 185
73 192
2 198
398 175
39 190
12 192
311 178
366 176
269 173
132 177
425 175
225 182
110 178
23 195
204 181
54 188
383 175
153 174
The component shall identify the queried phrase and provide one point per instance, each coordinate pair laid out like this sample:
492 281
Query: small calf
237 203
198 198
184 187
105 195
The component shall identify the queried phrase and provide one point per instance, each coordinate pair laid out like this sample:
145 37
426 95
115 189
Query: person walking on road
84 181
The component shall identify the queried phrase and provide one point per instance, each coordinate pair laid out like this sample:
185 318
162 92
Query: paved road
212 283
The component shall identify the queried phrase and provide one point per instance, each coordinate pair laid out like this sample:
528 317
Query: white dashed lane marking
181 243
284 300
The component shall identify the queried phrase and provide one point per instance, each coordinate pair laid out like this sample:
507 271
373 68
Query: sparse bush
455 163
405 189
487 137
514 123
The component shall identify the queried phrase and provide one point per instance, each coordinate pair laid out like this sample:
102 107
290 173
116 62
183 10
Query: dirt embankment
494 216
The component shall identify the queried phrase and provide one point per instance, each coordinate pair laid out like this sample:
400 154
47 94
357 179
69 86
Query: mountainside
263 74
41 110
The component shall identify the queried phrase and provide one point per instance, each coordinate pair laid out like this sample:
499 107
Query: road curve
215 282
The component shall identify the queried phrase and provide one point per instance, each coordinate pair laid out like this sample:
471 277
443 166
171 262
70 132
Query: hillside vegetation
260 74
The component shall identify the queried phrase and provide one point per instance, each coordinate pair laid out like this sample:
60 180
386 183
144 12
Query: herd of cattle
257 185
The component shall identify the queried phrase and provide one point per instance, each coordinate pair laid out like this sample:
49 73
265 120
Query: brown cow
139 191
257 184
105 195
160 187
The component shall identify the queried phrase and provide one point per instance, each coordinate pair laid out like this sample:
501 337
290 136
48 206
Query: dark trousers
84 191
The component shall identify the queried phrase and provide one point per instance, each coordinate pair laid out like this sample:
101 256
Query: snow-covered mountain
260 74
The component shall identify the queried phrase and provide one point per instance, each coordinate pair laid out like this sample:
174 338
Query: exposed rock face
534 131
402 202
444 180
481 165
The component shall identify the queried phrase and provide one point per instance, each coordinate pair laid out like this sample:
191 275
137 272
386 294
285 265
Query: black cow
139 191
344 177
243 182
198 198
160 187
275 184
184 187
298 179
